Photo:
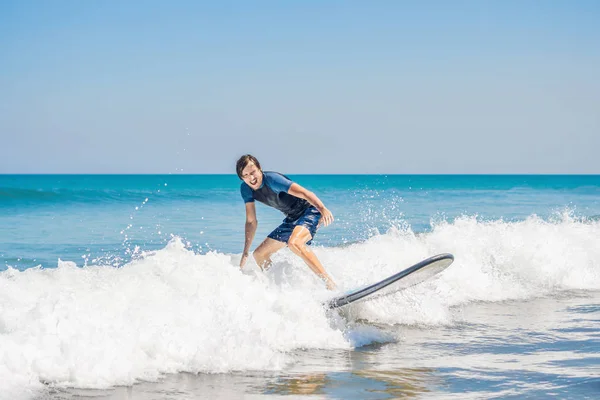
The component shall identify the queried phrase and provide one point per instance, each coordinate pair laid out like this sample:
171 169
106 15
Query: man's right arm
251 224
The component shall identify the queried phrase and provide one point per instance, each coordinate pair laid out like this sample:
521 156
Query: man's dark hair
243 162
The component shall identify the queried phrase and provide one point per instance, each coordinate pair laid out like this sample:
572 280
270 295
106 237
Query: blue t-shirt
274 193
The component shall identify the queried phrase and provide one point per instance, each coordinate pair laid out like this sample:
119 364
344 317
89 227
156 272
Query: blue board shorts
309 220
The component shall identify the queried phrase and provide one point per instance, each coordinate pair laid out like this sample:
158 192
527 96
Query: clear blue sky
307 86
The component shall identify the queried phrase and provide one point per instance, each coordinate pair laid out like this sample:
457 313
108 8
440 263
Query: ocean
128 287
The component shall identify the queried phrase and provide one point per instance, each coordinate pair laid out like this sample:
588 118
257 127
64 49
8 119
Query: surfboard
402 280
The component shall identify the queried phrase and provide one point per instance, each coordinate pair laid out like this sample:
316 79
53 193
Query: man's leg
297 244
263 253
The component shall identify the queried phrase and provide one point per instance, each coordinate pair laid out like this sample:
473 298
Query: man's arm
251 224
303 193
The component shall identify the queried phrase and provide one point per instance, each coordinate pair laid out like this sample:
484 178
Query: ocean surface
127 287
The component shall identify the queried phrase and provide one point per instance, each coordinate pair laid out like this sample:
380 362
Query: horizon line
296 173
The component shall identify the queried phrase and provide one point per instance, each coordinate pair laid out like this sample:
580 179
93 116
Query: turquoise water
127 286
93 217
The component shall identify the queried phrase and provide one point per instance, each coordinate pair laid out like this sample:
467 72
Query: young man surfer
303 209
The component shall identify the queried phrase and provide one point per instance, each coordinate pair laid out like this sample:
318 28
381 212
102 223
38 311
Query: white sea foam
494 261
173 310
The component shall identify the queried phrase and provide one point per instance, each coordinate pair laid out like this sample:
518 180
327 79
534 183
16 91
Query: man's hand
326 217
243 260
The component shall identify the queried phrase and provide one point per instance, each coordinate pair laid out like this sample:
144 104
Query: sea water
129 287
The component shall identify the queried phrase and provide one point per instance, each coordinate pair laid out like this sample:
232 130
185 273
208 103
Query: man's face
252 176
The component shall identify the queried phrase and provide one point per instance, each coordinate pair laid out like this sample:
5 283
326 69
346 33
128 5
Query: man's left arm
303 193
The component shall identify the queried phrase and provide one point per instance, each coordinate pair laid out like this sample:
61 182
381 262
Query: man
303 209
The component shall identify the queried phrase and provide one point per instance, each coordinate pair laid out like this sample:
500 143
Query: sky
315 87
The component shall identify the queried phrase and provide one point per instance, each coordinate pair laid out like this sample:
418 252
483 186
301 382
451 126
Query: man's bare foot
330 285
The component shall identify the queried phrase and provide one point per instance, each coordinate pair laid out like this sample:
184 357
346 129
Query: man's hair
243 162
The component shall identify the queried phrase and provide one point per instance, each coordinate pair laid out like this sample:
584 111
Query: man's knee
261 256
296 244
258 256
